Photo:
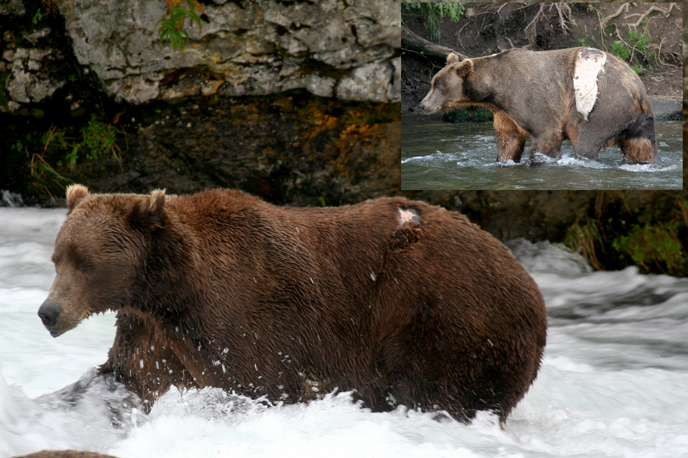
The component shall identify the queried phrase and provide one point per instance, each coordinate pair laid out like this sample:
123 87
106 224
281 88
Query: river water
613 382
443 155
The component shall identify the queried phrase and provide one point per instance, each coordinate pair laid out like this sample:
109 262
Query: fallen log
412 42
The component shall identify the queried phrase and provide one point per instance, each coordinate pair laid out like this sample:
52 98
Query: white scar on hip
589 62
407 215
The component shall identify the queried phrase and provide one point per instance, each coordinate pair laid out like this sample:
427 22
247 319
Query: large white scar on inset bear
589 62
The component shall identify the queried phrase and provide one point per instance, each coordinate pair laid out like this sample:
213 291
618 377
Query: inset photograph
541 96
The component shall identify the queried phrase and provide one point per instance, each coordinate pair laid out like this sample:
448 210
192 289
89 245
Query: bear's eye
85 266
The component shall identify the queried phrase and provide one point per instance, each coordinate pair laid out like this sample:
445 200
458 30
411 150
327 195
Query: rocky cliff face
344 49
297 100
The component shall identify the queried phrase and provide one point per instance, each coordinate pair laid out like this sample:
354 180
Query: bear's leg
588 150
639 150
142 358
638 143
547 144
511 138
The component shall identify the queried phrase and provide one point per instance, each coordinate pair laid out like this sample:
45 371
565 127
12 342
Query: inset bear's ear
451 58
148 211
465 68
75 194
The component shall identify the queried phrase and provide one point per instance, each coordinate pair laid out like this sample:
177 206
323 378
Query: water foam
612 382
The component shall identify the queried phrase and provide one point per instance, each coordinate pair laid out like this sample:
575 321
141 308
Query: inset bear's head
98 254
447 86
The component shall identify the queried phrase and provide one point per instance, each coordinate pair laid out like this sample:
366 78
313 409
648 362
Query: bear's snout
49 314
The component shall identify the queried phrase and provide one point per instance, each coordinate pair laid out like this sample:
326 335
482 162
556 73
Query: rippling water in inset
442 155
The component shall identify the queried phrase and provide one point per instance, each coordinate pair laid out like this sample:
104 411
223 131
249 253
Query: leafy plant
620 50
656 245
641 41
99 138
435 12
37 17
171 24
637 68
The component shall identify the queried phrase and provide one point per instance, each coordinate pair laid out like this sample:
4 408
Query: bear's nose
422 105
49 313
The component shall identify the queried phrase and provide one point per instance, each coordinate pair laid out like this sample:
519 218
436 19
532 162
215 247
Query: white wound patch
407 215
589 62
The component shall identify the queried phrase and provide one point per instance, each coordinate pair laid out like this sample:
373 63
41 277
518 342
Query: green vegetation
42 173
582 238
653 246
61 154
610 235
171 24
620 50
37 17
99 138
638 42
582 42
467 114
435 12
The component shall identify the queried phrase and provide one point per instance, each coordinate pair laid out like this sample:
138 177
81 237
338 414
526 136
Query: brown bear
399 301
585 95
65 454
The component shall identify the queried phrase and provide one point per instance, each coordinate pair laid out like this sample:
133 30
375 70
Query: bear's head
98 254
447 86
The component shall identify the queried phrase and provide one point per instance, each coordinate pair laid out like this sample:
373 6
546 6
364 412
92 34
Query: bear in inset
585 95
403 302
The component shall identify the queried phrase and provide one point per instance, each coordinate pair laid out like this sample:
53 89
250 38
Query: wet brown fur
534 91
65 454
223 289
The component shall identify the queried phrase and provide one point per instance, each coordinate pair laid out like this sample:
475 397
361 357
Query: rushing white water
613 384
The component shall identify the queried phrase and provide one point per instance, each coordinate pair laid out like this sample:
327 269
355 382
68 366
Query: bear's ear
452 58
75 194
465 68
148 211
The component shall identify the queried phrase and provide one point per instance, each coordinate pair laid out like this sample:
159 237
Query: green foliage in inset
435 12
637 42
637 68
653 245
582 42
467 114
641 41
620 50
